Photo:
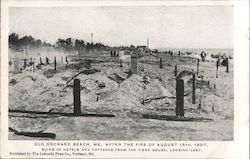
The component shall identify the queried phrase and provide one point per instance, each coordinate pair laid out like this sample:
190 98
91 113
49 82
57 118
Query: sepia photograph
137 73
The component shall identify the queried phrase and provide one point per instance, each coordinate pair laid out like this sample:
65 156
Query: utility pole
148 44
91 37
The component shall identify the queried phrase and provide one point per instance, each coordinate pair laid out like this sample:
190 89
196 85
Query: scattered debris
39 134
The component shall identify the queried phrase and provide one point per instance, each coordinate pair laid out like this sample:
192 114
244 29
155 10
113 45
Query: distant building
155 51
142 48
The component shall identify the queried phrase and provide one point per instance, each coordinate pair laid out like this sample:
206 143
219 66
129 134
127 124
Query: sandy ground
111 89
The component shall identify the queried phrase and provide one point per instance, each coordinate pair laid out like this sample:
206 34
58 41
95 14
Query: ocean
208 51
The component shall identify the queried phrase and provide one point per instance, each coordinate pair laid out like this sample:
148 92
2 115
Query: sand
115 91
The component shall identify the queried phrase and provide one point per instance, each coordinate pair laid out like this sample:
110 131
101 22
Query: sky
165 26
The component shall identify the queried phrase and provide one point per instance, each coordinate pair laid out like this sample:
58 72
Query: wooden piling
47 60
217 67
227 65
179 98
175 70
55 62
198 64
120 63
161 63
25 63
77 95
41 61
193 91
66 59
33 66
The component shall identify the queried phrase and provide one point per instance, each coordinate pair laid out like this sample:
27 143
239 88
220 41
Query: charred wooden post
198 64
66 59
24 63
179 53
134 63
227 65
55 62
217 67
193 91
161 63
47 60
33 66
120 63
179 110
41 61
175 70
77 95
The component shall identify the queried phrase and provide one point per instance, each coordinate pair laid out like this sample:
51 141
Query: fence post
179 98
33 65
161 63
175 70
77 95
55 62
41 62
24 63
227 65
193 92
198 63
47 60
66 59
120 63
217 67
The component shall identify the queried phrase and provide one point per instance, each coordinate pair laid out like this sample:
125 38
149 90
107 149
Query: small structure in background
142 48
